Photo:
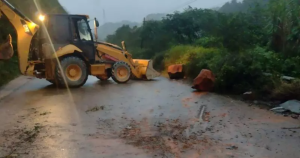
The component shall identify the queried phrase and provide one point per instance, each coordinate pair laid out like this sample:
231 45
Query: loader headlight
32 24
42 17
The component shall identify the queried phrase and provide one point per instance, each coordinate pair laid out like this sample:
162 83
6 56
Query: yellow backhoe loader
62 49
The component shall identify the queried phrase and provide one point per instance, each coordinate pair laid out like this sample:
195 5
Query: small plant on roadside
45 113
94 109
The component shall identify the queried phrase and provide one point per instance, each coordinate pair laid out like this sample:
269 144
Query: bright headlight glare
42 17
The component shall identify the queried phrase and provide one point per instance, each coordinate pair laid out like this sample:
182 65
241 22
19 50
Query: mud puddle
164 138
19 141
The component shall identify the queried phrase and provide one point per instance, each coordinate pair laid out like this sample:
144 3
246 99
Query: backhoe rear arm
25 30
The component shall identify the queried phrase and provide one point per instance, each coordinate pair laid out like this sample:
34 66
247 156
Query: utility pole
142 38
96 23
104 21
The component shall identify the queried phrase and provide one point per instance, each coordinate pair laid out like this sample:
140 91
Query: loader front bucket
145 68
6 49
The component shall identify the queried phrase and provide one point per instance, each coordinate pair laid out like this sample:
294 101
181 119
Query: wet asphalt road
140 119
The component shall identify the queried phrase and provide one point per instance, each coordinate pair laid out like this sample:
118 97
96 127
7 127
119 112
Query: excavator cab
61 30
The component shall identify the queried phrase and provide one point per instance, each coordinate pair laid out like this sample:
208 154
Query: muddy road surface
141 119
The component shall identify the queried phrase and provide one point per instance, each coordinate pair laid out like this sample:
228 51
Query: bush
234 46
287 91
209 42
238 73
291 67
9 70
244 71
184 54
235 73
158 61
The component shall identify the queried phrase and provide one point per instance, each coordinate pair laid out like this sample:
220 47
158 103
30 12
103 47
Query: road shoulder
13 85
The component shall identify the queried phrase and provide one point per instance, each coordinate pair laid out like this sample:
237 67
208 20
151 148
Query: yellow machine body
46 67
141 68
25 30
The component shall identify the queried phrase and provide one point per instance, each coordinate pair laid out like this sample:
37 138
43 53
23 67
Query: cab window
81 30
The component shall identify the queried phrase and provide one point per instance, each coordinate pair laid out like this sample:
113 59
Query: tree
284 26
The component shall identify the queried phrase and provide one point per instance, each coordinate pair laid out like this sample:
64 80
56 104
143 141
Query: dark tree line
248 38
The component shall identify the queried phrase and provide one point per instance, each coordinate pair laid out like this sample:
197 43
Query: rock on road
159 118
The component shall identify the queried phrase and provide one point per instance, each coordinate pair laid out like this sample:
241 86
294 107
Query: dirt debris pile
95 109
19 140
169 138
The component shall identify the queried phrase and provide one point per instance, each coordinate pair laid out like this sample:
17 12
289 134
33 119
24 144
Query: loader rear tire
75 72
121 72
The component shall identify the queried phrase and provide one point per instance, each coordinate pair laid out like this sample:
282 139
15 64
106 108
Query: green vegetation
10 69
239 42
235 6
158 16
287 91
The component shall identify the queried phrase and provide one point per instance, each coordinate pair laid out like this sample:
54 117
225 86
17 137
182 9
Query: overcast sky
132 10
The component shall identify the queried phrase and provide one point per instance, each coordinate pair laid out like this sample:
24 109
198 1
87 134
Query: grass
9 70
183 54
287 91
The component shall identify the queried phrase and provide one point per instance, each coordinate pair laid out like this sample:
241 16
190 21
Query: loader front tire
121 72
74 70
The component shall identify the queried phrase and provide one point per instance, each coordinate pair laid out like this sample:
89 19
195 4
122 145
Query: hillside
29 8
157 16
110 28
236 6
9 69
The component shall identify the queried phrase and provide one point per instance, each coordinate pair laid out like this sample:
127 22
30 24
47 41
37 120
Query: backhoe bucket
145 68
6 49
